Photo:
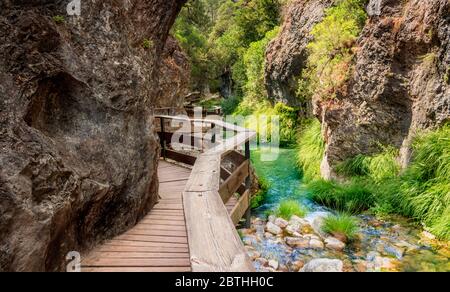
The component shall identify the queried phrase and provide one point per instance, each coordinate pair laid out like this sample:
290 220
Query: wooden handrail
218 123
214 243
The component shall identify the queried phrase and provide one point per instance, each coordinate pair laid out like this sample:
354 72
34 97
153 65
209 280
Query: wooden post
248 182
163 138
213 138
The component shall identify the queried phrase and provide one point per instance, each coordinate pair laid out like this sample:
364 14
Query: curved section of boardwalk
159 242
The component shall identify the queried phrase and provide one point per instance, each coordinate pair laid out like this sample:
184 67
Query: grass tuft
311 148
290 207
147 44
58 19
342 226
378 167
260 196
353 197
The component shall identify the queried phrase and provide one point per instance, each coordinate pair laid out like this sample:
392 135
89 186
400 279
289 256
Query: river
393 244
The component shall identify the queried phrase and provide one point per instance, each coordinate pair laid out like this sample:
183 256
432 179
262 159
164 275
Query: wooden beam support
232 184
241 207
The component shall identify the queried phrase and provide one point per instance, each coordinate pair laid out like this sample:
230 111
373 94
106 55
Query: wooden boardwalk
192 228
159 242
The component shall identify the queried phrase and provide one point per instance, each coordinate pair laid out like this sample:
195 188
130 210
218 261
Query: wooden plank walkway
159 242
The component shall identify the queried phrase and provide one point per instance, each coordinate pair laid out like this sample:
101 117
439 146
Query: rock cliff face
78 152
286 55
399 82
174 76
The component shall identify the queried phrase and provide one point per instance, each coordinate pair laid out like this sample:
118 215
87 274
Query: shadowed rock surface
78 153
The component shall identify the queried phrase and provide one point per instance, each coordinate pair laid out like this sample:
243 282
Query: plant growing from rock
58 19
341 226
259 197
147 44
332 50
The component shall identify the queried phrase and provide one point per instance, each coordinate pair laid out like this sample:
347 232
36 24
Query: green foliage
210 103
290 207
58 19
229 105
353 197
422 192
357 166
257 111
311 148
147 44
254 61
248 73
341 226
289 124
260 196
331 51
240 25
425 186
191 29
216 34
378 167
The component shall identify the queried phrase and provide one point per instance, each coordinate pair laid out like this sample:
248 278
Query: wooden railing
191 111
214 243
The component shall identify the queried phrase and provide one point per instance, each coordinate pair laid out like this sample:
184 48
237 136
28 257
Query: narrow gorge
352 96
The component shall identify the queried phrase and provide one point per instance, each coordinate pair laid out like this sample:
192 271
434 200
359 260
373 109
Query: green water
281 174
285 183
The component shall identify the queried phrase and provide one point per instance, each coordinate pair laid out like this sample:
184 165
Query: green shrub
58 19
230 104
260 196
290 207
311 147
422 192
341 226
332 50
147 44
254 63
210 103
288 124
425 187
384 165
353 197
378 167
357 166
254 112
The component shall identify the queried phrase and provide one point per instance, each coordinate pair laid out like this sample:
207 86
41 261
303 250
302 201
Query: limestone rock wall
399 83
78 154
286 55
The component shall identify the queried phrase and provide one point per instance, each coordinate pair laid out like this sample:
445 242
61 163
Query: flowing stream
392 244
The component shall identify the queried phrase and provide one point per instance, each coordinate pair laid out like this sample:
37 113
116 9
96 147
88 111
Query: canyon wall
286 55
78 155
398 84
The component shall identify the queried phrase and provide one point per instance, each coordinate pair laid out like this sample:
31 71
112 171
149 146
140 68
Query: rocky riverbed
299 244
279 245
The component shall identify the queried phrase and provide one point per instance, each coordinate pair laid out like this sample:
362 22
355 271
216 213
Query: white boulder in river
274 229
334 243
323 265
